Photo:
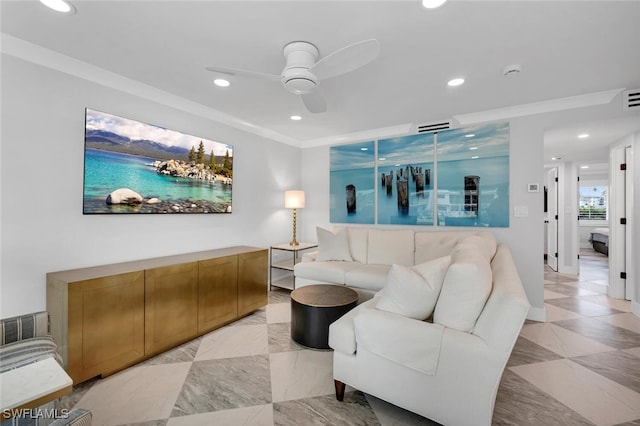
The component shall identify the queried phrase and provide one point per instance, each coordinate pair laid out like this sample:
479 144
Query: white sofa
437 338
372 252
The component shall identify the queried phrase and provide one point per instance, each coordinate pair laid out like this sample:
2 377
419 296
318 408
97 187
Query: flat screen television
134 167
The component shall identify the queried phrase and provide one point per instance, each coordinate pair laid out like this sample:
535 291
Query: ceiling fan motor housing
296 77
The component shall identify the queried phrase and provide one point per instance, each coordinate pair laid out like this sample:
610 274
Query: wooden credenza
106 318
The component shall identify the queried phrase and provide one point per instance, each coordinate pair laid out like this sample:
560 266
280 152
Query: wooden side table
288 281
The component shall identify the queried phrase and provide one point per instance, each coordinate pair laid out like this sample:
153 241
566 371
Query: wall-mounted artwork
134 167
406 190
473 176
351 183
457 177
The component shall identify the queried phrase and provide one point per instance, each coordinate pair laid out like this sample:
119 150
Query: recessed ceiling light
456 82
473 148
556 158
432 4
583 135
470 135
59 6
584 167
296 117
221 82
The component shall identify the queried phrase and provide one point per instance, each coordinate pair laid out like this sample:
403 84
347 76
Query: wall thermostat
533 187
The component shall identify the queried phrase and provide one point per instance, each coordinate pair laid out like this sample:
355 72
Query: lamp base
294 242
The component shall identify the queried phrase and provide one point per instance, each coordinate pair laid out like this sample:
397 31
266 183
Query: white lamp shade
294 199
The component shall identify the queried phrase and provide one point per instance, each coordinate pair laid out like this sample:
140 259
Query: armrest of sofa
342 335
77 417
309 256
24 327
406 341
503 315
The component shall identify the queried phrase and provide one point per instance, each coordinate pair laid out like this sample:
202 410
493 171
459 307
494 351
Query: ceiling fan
303 70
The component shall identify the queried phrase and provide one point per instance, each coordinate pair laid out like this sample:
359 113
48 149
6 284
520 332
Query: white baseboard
537 314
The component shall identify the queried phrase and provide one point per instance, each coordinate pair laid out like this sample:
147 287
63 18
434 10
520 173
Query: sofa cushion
333 246
370 277
387 247
405 341
331 272
27 351
466 287
434 244
413 291
358 238
24 327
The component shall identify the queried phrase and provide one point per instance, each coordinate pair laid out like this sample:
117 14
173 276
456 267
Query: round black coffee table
314 308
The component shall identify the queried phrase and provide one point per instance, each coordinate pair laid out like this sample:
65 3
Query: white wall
524 236
42 225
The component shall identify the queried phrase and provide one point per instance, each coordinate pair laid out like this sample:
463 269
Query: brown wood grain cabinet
218 292
108 317
252 274
170 306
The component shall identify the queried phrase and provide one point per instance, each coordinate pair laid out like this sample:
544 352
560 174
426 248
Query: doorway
552 218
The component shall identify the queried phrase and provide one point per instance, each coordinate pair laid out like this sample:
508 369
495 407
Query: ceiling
565 49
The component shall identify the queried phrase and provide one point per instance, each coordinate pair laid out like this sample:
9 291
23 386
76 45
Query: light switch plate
521 211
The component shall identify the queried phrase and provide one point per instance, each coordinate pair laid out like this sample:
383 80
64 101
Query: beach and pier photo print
456 177
134 167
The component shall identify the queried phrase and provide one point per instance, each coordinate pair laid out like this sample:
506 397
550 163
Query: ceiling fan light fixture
62 6
432 4
299 80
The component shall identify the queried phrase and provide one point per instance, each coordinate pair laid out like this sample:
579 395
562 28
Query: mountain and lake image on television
134 167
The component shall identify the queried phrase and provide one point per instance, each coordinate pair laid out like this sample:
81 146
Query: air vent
631 100
433 127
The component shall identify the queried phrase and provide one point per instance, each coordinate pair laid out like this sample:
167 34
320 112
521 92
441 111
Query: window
594 201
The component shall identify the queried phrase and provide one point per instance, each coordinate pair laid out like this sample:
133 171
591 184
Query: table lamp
294 200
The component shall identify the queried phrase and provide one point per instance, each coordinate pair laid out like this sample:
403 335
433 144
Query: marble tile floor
581 367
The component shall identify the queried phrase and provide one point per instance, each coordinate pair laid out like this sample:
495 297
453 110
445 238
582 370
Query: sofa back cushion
386 247
434 244
358 238
466 286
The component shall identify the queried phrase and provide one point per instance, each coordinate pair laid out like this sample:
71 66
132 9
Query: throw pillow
466 287
413 291
333 246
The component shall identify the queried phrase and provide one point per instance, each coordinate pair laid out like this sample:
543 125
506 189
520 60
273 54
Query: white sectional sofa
371 252
433 336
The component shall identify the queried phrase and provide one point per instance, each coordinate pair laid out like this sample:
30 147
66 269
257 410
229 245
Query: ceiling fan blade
314 102
346 59
244 73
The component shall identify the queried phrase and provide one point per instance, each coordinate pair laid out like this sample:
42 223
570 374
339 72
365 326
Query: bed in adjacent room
599 239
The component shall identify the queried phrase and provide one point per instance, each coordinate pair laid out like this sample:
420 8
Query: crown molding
560 104
364 135
39 55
